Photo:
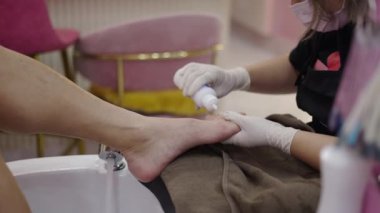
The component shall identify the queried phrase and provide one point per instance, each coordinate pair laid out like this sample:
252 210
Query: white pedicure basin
80 184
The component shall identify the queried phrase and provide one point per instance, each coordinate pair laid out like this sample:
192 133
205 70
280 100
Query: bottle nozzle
206 97
214 107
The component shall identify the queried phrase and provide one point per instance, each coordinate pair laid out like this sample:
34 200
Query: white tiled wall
267 17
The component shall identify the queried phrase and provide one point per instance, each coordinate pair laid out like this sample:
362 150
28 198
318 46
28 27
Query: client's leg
34 98
11 198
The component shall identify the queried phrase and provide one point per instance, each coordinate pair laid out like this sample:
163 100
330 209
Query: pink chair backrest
168 33
25 26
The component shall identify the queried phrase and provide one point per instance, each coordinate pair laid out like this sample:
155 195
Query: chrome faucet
106 153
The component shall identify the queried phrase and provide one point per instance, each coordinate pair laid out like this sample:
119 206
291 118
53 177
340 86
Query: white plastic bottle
344 177
206 97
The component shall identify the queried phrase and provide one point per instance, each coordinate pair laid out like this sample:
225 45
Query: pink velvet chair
137 60
25 27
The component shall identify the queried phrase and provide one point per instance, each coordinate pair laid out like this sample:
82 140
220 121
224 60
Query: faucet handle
106 153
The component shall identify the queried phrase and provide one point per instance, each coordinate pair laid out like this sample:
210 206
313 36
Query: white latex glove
257 131
193 76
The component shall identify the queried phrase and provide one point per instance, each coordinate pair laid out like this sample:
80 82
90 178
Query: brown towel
224 178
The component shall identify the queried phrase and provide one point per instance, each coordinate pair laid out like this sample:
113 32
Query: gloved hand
257 131
193 76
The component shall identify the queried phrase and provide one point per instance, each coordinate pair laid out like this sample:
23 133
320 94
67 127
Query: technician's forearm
274 76
307 147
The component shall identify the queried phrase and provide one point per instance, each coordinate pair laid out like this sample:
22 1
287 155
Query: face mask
304 12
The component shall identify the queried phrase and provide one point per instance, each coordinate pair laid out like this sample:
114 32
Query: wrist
241 78
282 137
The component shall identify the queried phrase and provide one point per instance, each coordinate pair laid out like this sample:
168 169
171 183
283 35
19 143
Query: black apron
316 88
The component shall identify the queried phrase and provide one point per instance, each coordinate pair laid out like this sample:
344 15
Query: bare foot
167 138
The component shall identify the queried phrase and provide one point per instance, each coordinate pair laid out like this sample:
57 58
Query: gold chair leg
66 65
36 57
69 148
70 74
81 146
120 81
79 143
40 143
40 139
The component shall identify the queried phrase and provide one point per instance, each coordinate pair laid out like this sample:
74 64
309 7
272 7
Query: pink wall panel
284 22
